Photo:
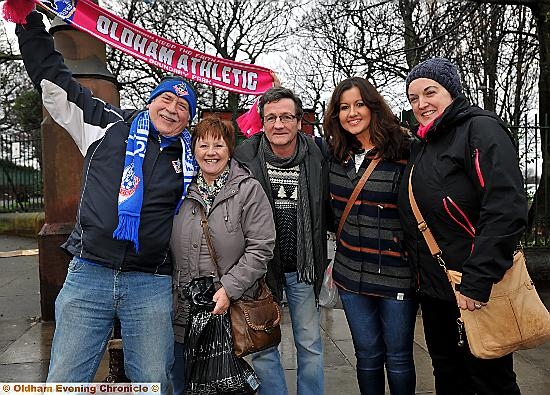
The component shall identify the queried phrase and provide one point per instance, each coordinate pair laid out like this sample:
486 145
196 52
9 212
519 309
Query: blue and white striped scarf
130 196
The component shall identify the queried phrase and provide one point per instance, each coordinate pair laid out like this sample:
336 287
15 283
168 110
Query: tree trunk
412 50
491 53
233 106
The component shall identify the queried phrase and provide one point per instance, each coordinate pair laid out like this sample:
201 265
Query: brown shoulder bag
254 321
514 318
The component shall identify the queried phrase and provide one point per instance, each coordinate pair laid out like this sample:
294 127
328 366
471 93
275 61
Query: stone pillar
63 161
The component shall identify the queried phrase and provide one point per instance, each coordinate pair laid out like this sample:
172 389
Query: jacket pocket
231 215
458 216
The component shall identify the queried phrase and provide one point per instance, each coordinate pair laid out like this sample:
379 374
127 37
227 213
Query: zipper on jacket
465 224
162 263
146 184
84 186
380 208
478 168
124 255
395 181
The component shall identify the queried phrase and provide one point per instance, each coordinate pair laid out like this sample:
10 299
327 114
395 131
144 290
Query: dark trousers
456 370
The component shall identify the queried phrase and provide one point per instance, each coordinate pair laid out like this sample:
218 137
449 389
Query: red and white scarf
137 42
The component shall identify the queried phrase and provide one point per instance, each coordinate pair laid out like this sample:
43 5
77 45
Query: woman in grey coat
241 224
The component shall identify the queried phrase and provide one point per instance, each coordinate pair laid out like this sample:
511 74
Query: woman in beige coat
241 223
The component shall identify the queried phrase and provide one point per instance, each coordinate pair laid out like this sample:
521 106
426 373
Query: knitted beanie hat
440 70
180 88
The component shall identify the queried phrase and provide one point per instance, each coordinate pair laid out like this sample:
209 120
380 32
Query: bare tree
240 30
357 38
541 200
382 40
20 103
308 78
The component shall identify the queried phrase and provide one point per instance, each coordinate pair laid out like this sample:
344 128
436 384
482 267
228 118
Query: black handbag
200 291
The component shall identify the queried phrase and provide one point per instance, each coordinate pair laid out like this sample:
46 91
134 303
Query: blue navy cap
179 88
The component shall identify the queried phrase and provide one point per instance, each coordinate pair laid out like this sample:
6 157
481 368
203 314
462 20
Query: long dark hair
385 133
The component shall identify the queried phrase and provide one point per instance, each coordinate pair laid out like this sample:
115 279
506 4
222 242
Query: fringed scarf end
127 229
16 11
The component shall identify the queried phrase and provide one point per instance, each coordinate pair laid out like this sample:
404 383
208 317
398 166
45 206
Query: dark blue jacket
100 131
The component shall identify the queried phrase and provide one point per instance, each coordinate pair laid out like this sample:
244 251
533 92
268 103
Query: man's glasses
285 118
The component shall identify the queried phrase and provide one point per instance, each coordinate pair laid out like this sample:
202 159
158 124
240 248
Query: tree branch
8 57
527 3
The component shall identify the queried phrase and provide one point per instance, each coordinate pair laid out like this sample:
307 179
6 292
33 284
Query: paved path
25 341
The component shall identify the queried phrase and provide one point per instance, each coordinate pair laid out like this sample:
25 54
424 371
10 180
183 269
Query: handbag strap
208 237
354 195
423 227
212 250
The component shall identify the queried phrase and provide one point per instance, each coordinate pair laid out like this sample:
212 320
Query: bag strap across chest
355 193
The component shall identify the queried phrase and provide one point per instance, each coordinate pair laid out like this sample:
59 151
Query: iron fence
20 174
532 141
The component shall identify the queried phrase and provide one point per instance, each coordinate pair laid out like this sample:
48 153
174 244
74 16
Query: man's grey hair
277 93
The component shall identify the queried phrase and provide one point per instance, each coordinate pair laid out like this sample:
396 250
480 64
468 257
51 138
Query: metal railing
531 135
20 175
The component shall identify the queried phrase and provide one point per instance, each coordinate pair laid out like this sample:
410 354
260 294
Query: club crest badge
181 89
129 183
177 166
63 8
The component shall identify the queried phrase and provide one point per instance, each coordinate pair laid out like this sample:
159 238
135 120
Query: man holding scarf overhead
136 172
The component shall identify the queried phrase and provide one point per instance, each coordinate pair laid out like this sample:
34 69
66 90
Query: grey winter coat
243 233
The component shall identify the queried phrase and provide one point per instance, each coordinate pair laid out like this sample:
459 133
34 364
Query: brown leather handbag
514 318
255 322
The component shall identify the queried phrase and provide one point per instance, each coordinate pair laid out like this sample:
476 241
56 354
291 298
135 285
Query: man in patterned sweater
294 173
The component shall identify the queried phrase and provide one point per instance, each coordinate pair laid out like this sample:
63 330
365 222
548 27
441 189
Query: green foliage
27 111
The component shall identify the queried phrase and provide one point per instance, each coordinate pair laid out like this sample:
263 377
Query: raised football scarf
137 42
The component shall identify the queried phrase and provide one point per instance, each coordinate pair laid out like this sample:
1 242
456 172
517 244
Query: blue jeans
306 327
177 375
91 297
382 330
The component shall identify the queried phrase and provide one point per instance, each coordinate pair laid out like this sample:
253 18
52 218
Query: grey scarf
304 241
